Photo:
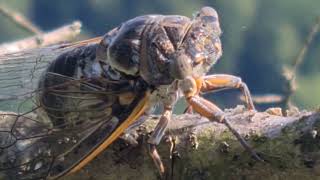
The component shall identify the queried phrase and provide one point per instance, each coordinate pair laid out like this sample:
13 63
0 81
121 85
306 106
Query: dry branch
20 20
289 73
59 35
289 145
265 98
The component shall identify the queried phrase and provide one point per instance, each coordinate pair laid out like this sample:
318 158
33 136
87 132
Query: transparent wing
73 118
51 128
20 71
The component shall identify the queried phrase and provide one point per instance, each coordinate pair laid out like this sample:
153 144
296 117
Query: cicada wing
20 71
69 120
30 148
21 148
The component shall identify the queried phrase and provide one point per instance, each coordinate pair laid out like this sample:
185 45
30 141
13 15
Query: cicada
75 99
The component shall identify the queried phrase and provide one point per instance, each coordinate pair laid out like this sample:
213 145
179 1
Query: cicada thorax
121 50
159 44
163 48
144 46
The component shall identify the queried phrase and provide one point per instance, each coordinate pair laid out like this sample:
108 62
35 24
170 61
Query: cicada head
200 47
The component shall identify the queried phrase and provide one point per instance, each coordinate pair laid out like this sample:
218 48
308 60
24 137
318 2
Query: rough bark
289 146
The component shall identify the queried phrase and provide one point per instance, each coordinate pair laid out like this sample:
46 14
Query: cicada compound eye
208 15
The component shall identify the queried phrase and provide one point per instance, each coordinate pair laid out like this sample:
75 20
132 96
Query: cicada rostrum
75 99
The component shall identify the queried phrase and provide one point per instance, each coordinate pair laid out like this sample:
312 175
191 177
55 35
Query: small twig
310 37
62 34
290 75
20 20
265 98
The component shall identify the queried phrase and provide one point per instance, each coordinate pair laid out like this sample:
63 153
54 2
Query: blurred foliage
259 36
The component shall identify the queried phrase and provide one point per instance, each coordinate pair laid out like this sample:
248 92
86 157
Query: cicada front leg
225 81
156 137
168 101
218 82
191 87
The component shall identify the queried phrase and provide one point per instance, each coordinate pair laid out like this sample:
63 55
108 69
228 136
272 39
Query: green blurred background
259 36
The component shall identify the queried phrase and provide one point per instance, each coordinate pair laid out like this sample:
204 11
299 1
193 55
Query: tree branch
62 34
20 20
289 146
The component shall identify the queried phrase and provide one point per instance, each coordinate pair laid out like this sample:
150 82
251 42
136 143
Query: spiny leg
217 82
156 159
224 81
156 137
190 87
168 101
